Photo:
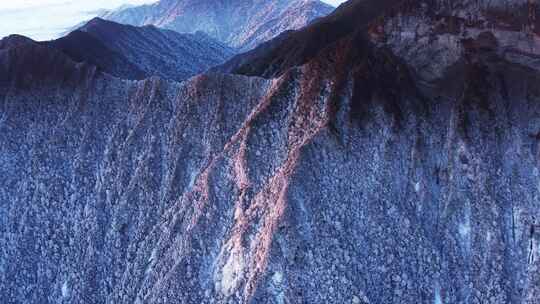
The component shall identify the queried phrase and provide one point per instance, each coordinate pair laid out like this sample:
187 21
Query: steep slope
351 178
240 24
427 34
295 48
140 52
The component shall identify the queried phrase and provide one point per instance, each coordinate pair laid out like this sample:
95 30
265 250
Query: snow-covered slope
241 24
349 175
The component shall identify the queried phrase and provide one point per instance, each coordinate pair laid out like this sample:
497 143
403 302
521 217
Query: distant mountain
241 24
139 52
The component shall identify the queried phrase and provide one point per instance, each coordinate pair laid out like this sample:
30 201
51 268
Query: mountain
240 24
83 47
25 63
140 52
347 23
397 162
427 34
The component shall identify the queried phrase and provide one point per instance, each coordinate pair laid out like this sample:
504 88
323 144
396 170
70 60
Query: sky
49 19
334 2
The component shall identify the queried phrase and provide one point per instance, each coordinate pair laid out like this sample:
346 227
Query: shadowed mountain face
298 47
140 52
25 63
83 47
240 24
363 171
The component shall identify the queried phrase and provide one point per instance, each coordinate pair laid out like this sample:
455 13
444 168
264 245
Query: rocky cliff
240 24
349 175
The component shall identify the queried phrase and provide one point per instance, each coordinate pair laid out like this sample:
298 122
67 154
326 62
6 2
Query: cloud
47 19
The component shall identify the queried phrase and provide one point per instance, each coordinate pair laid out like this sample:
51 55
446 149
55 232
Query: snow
438 299
277 278
65 290
464 229
231 273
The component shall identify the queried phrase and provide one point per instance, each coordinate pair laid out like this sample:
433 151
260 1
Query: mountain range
386 153
139 52
240 24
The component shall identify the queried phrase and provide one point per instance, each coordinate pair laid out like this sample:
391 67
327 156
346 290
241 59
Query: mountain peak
25 63
133 52
14 41
98 21
100 24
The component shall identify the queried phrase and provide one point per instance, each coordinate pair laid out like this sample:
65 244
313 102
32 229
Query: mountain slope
26 63
84 47
240 24
427 32
298 47
351 175
140 52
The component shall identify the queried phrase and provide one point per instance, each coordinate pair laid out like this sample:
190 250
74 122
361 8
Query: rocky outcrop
346 177
139 52
240 24
433 38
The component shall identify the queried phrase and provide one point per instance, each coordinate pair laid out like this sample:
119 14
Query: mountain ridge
140 52
26 63
240 25
436 19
